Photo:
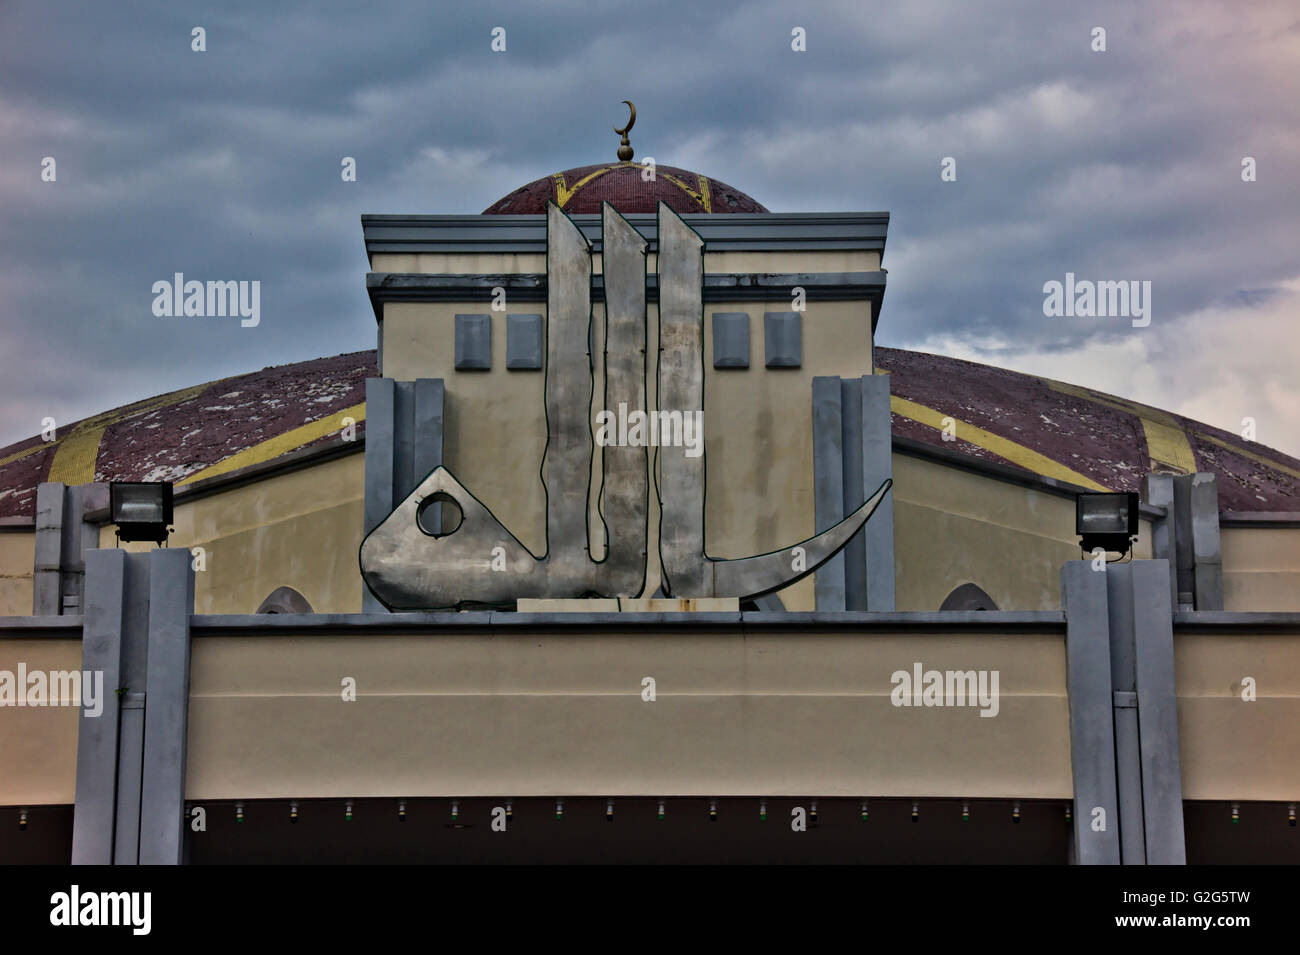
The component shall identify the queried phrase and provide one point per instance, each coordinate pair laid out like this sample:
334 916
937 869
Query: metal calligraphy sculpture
481 562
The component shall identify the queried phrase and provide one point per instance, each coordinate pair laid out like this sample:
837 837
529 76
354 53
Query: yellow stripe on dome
702 197
563 194
1167 443
74 461
1237 449
280 444
1017 454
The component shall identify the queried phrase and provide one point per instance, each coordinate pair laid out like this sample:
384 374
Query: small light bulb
661 810
455 810
401 811
22 820
293 812
239 812
609 810
1236 813
965 812
762 810
812 812
1015 811
1290 814
916 811
1069 812
713 810
347 812
510 810
866 811
559 809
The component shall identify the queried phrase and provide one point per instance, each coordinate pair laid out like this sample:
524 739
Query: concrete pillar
828 485
1092 735
1123 676
62 538
1188 537
852 456
166 715
404 429
131 758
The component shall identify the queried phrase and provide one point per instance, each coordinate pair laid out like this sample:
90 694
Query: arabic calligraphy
482 562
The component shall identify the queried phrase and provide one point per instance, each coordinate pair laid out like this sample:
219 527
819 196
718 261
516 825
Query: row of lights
713 811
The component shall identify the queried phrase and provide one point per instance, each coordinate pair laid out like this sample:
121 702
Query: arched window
285 600
968 597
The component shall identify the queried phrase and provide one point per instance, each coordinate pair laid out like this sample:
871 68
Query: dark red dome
583 190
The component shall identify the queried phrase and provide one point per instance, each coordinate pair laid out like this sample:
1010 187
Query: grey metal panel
1092 739
523 342
130 770
425 437
854 554
783 339
828 484
133 682
380 427
625 494
473 342
1183 559
101 650
46 588
1158 491
1162 777
162 798
1123 676
1207 556
1032 622
878 467
681 388
527 233
730 339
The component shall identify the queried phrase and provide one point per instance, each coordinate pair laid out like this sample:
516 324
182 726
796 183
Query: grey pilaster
1207 558
132 678
162 798
50 515
855 552
1123 675
877 466
1092 740
101 650
404 432
381 394
1158 491
828 485
1162 779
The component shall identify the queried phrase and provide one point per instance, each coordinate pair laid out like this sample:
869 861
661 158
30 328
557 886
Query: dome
1017 419
622 184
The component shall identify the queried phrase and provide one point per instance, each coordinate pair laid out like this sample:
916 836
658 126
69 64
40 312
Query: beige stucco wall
447 714
1261 568
300 529
759 495
17 559
953 526
38 745
1233 749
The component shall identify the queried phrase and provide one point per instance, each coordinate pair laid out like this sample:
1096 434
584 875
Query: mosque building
629 543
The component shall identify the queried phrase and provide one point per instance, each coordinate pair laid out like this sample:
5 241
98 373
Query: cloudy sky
1116 165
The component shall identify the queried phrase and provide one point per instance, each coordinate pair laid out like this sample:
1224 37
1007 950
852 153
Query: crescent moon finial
625 147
